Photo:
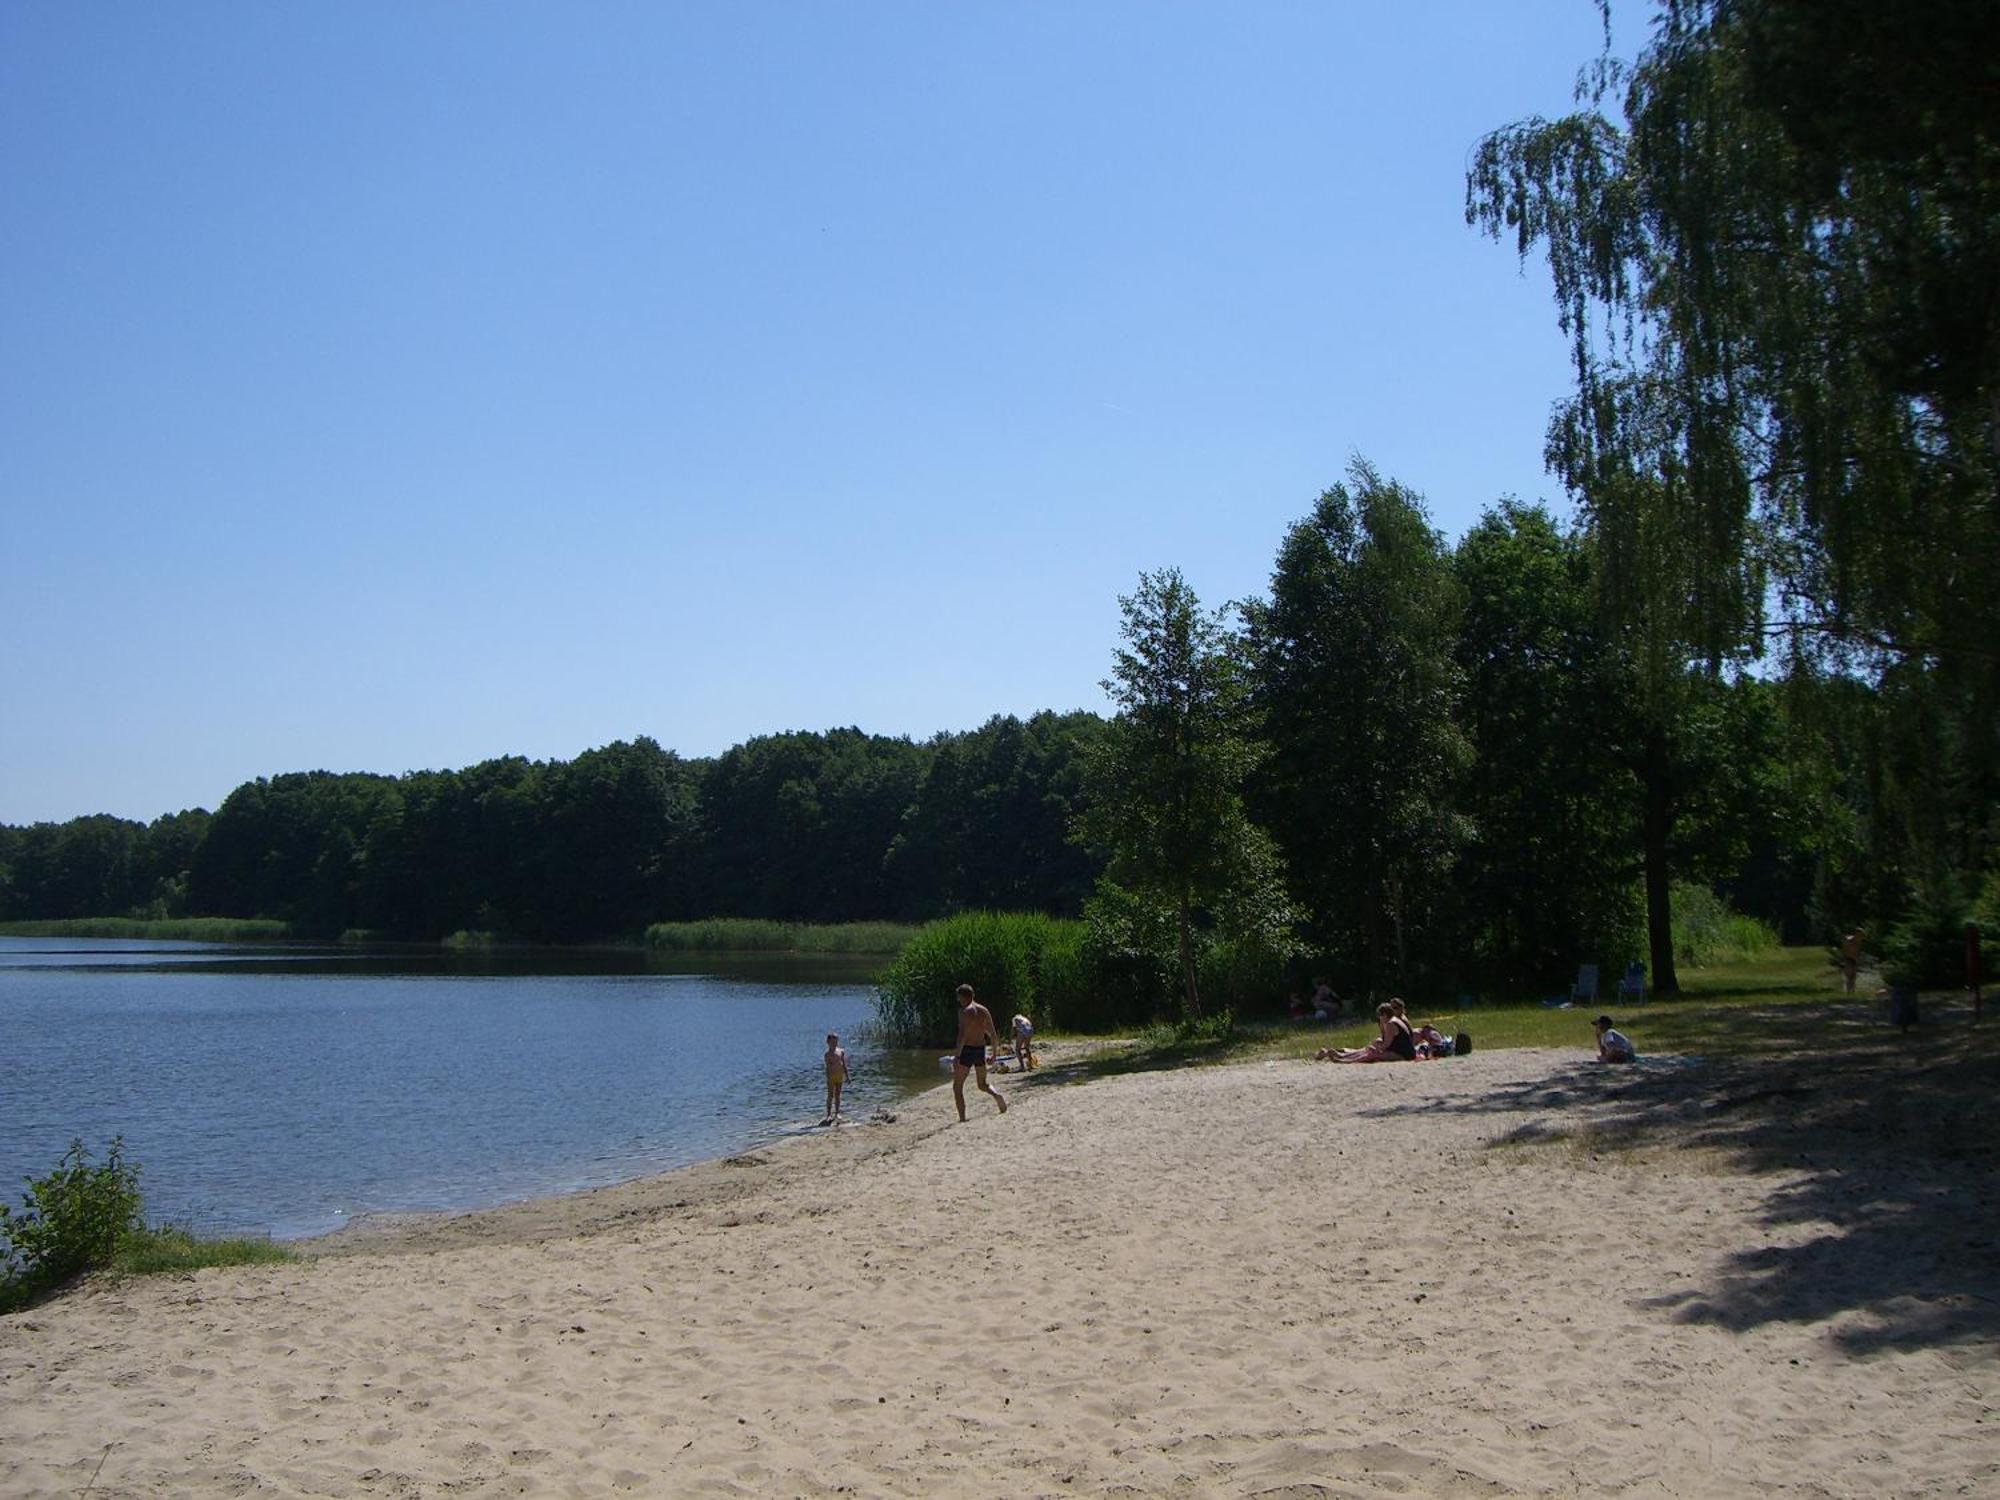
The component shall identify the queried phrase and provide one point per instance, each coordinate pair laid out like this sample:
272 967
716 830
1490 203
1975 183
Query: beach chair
1633 985
1585 988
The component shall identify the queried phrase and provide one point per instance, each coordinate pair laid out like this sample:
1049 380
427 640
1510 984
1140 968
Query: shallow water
288 1090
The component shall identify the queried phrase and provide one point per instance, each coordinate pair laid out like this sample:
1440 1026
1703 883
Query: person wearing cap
1612 1045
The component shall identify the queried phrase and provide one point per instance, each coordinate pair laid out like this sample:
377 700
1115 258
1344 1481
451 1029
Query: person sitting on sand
1394 1044
1612 1045
836 1077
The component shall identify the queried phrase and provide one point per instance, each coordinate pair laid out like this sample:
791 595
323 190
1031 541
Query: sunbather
1393 1044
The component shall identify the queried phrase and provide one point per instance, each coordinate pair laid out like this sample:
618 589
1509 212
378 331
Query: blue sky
387 386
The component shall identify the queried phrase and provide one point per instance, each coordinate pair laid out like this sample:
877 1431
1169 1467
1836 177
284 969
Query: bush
1243 977
1926 950
1004 956
71 1221
1707 932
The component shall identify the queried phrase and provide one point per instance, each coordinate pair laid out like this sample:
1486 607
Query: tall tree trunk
1656 825
1192 995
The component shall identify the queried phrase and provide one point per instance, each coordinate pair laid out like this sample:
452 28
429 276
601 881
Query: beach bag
1461 1044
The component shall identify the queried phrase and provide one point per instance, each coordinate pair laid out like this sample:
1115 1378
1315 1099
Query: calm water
290 1090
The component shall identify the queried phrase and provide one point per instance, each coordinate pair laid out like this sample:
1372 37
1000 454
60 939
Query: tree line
1437 772
826 827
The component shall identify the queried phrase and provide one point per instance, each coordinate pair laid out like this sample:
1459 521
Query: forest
1755 663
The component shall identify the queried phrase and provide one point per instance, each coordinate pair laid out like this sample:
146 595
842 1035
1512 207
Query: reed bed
758 935
157 929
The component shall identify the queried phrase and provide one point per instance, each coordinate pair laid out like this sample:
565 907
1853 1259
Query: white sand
1214 1281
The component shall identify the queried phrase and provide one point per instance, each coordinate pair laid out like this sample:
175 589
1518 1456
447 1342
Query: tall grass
1015 961
163 929
757 935
1707 932
164 1248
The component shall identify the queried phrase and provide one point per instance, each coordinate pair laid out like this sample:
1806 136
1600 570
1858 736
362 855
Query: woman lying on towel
1395 1044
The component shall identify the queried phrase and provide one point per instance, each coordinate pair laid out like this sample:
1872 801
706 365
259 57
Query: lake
289 1090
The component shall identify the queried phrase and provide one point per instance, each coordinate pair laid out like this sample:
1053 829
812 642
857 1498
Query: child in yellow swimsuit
836 1076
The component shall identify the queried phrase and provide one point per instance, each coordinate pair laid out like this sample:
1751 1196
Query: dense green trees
1777 256
990 825
99 866
1166 785
827 827
1547 874
1358 687
797 826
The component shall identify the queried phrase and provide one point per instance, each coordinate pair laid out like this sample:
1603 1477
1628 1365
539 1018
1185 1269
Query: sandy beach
1508 1274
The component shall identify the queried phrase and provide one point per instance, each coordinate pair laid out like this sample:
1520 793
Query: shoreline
1513 1273
589 1210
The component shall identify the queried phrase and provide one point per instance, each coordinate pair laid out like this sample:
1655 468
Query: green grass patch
159 929
756 935
151 1252
1763 1005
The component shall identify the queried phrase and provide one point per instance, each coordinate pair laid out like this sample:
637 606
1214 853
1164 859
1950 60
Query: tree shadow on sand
1890 1146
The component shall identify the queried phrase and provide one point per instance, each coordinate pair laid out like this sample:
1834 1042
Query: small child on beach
1612 1045
836 1076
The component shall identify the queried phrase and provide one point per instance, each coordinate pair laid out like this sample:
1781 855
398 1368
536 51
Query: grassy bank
756 935
1759 1003
161 929
1778 1003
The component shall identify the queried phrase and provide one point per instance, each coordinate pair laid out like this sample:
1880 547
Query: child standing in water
836 1076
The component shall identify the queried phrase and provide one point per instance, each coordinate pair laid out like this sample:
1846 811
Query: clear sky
388 385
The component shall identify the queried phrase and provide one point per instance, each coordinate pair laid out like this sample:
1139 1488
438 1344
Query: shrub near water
1014 961
85 1216
71 1221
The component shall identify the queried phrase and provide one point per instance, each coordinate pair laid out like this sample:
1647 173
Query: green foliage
166 1249
168 929
1544 878
98 867
796 826
989 826
1165 783
1706 932
1171 1041
1926 950
1014 961
754 935
1358 689
1774 260
70 1222
85 1216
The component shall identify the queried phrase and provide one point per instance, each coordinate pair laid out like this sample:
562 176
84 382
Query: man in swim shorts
975 1030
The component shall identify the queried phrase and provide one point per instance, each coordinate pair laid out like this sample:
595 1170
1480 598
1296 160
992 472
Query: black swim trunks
971 1057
